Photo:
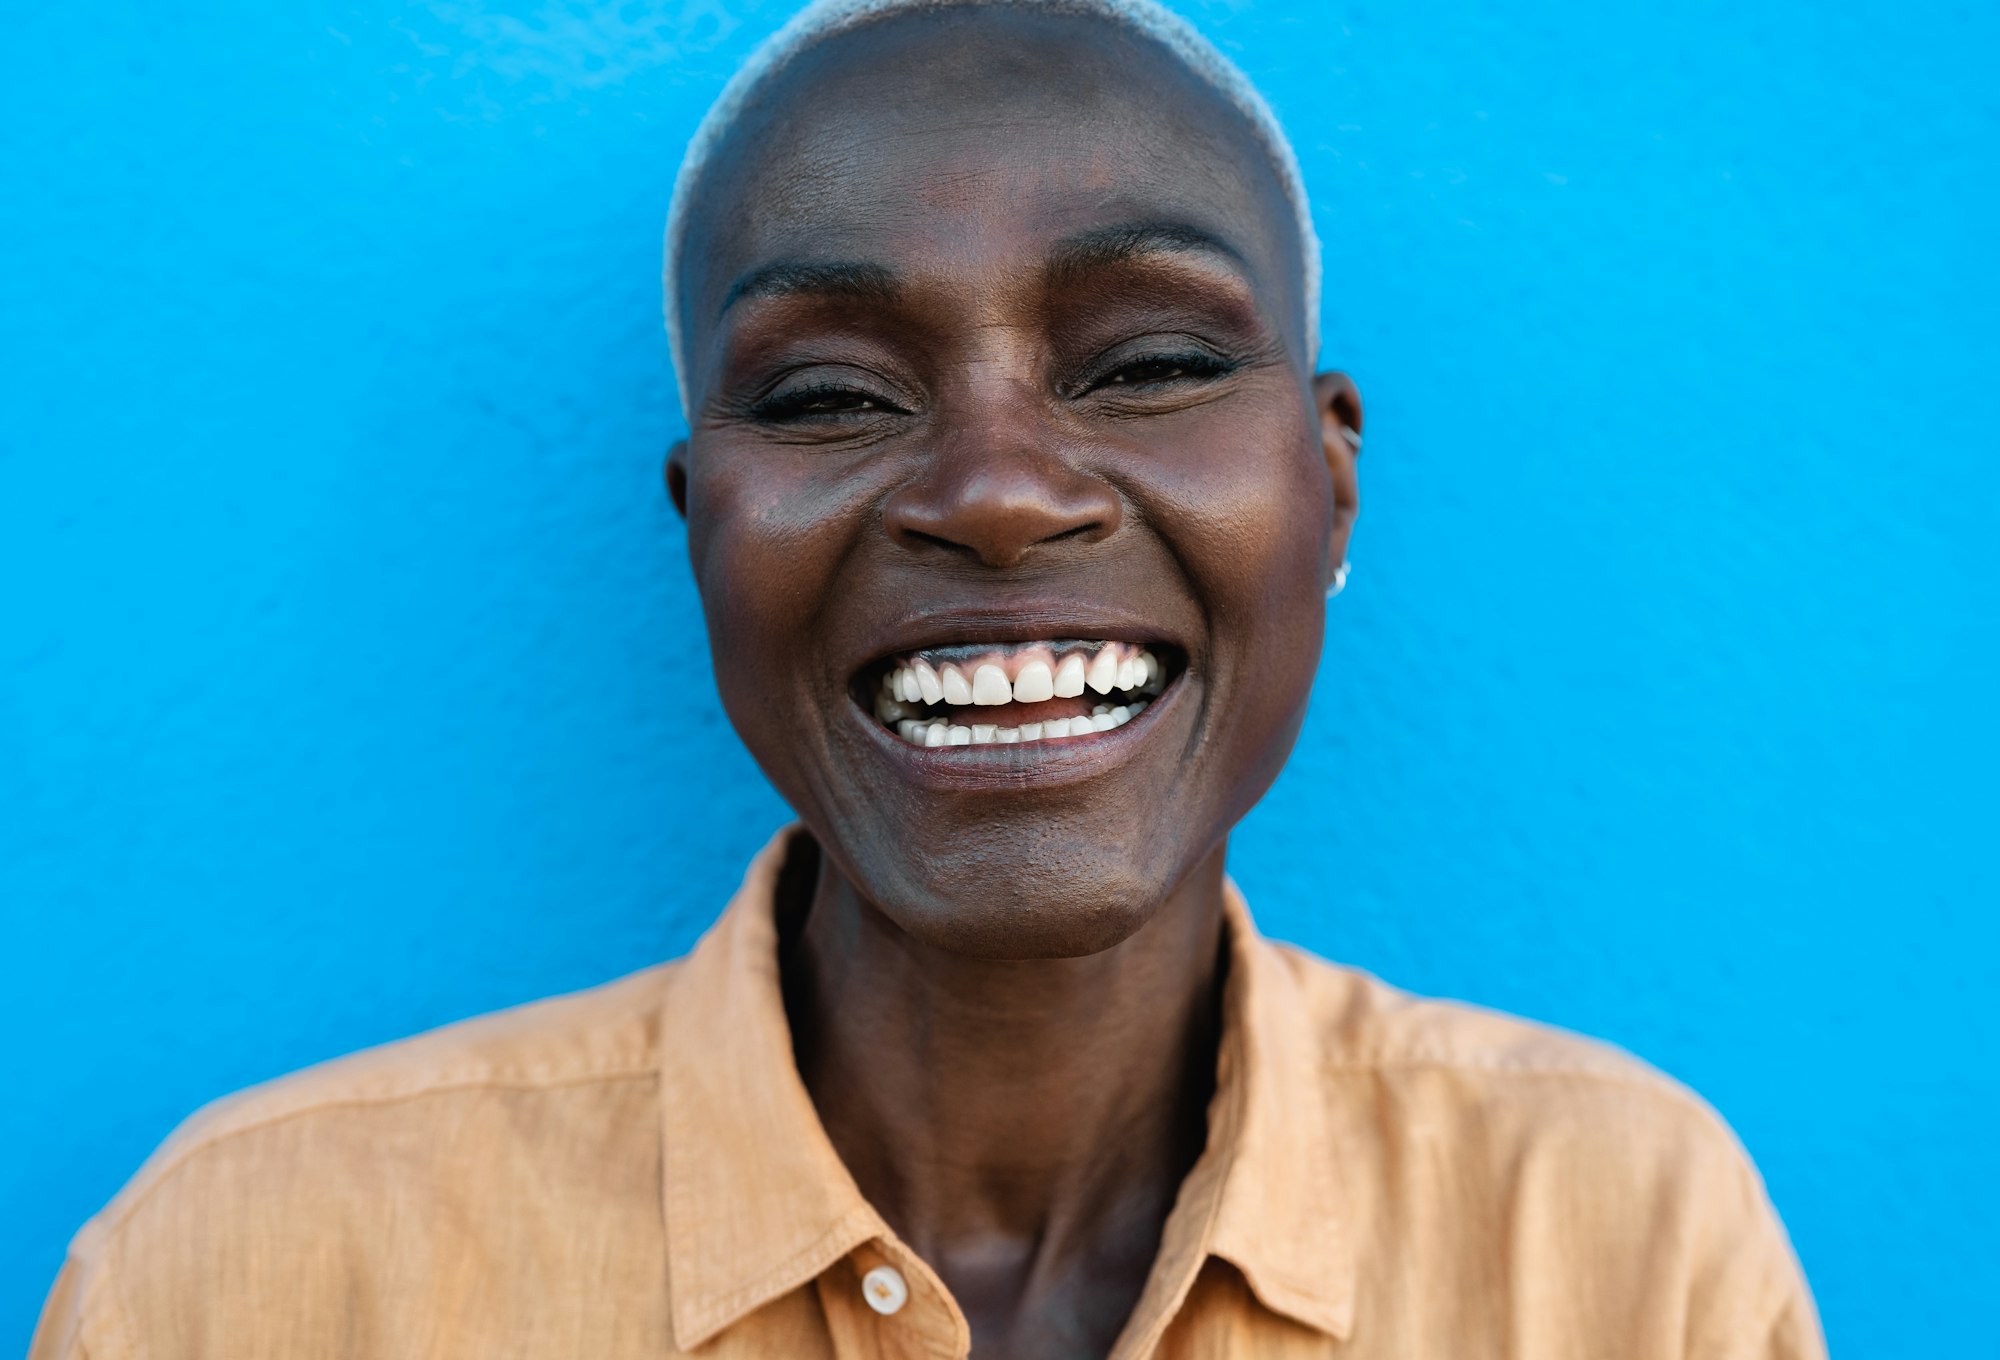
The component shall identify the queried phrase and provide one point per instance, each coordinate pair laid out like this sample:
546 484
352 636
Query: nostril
911 538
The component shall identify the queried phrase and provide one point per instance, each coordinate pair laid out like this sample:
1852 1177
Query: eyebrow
1102 247
840 278
1069 260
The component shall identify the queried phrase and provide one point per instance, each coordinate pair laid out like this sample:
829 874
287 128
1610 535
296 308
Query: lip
1022 621
1022 767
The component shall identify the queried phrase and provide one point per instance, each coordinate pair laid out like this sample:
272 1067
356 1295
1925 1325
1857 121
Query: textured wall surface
350 673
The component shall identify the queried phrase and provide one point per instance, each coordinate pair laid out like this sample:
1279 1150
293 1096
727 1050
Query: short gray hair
824 19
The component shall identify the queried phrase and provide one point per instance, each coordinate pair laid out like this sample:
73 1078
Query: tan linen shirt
637 1171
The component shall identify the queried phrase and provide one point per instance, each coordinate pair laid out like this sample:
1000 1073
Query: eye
819 402
1160 370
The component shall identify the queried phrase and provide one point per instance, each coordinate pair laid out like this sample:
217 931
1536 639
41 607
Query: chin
1018 897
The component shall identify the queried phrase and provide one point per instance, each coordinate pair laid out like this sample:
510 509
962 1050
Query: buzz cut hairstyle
824 19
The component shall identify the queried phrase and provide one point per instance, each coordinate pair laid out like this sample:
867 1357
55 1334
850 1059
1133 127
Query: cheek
1250 514
1253 510
766 533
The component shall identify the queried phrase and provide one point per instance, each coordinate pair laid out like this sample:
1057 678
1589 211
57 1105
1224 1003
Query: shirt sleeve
1751 1300
1796 1335
68 1329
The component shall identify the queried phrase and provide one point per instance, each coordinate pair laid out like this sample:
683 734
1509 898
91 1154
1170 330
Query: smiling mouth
987 694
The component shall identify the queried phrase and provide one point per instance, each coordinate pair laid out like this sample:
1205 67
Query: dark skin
994 333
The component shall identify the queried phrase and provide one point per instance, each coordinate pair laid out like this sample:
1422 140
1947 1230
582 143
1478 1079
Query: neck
1018 1123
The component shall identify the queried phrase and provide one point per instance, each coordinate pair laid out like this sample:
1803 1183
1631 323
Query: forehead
960 139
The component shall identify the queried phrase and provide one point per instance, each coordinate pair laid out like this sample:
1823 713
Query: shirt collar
1282 1217
758 1203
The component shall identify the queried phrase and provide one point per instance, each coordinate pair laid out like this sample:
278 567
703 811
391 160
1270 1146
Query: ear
1339 408
677 476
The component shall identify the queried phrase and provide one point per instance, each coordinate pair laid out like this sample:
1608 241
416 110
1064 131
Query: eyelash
1190 365
797 404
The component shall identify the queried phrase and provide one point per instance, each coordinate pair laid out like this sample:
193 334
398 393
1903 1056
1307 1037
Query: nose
997 487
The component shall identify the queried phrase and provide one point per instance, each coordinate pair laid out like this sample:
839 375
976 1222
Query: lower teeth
938 732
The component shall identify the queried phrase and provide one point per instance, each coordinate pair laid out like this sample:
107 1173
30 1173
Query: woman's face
996 360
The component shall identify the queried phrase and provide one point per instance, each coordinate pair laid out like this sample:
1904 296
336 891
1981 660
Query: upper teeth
1032 673
1037 676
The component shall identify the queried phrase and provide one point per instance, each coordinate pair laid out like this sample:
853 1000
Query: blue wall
350 674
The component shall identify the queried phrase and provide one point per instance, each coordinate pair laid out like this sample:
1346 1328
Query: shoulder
1362 1024
607 1033
540 1095
1502 1138
1522 1093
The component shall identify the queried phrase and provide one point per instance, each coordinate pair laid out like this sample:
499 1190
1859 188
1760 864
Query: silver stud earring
1353 438
1339 579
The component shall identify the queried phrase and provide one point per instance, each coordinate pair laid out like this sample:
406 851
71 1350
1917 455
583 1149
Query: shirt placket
883 1303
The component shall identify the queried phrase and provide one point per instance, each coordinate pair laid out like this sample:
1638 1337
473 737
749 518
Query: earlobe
1338 404
677 476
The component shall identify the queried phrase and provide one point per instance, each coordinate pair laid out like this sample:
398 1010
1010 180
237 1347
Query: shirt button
884 1289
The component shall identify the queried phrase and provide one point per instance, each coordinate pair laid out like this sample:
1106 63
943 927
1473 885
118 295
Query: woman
1014 505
